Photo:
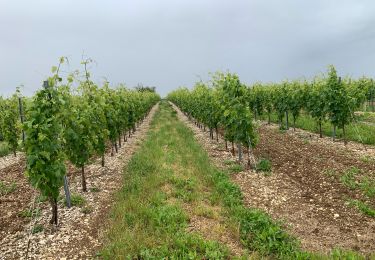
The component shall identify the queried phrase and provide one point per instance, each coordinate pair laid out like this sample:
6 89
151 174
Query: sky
172 43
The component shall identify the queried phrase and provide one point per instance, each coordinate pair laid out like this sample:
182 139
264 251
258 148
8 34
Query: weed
7 188
348 178
367 159
27 213
94 189
367 186
229 162
205 211
37 229
330 172
236 168
41 198
364 207
76 200
264 165
87 210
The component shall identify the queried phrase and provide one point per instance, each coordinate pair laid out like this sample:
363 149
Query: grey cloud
169 43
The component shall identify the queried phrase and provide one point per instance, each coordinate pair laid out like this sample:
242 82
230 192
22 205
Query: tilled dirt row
312 204
79 233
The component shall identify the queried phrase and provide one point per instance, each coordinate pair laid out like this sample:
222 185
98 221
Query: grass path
167 207
175 204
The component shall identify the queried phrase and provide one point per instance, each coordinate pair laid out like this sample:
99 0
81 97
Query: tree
296 100
315 102
11 127
236 114
79 136
340 101
281 102
45 166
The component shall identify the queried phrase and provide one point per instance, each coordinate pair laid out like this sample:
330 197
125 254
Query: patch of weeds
368 187
186 246
306 141
338 253
205 211
41 198
94 189
27 213
236 168
214 198
221 146
363 207
184 195
174 113
367 159
264 165
229 162
37 229
87 210
188 185
76 200
7 188
330 172
348 178
185 189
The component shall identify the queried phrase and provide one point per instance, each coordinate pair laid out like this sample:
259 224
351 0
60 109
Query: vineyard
219 171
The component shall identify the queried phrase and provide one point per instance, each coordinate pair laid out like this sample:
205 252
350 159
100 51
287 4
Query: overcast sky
170 43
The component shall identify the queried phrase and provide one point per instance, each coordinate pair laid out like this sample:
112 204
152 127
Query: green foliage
37 229
367 185
64 123
363 207
9 122
280 101
236 168
78 134
4 149
87 210
43 146
94 189
27 213
264 165
76 200
257 98
348 178
236 116
316 104
223 105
